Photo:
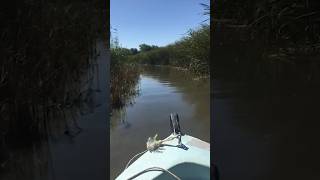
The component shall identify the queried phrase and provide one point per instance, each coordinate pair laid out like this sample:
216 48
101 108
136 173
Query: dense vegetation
269 39
45 48
191 52
124 76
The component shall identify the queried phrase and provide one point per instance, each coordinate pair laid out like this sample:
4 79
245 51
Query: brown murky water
162 90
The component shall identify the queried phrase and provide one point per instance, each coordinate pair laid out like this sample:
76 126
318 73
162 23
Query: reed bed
46 50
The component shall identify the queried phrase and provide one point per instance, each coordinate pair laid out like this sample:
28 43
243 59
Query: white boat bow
193 162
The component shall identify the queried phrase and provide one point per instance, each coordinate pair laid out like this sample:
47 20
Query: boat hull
190 163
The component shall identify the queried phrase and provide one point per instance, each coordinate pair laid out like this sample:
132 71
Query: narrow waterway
162 90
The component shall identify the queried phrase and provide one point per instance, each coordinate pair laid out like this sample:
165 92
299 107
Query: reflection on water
75 146
162 90
267 132
27 163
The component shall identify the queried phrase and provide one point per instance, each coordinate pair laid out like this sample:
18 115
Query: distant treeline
267 39
192 52
45 47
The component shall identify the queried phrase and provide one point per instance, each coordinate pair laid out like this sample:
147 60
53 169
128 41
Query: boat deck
193 163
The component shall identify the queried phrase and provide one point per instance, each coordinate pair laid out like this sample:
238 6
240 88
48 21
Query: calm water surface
267 132
162 90
77 155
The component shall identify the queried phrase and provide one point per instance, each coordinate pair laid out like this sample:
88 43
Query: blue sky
154 22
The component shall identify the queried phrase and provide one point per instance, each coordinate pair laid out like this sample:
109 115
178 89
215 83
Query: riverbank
197 76
191 52
72 132
46 48
123 84
83 156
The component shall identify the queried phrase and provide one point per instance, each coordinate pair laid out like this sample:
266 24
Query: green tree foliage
146 47
134 51
191 52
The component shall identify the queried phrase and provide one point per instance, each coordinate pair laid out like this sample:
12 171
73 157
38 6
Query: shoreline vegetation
191 53
45 50
276 41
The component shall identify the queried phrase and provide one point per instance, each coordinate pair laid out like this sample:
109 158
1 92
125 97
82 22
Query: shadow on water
162 90
265 127
47 71
264 134
23 158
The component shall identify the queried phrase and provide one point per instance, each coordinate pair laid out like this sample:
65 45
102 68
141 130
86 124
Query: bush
191 52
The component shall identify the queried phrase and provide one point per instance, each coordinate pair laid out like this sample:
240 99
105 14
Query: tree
145 47
134 51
